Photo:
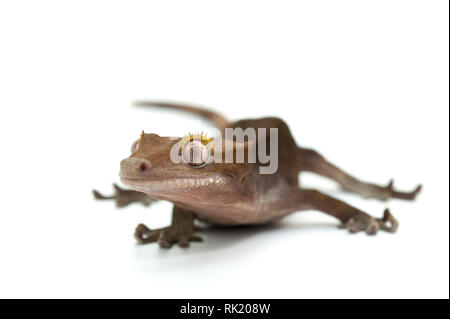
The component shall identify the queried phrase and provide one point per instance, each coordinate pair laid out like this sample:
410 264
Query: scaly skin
235 193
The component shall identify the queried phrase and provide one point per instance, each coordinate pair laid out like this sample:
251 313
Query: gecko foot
391 192
388 192
166 237
370 225
382 193
124 197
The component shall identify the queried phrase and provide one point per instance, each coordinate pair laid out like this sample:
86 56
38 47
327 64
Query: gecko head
181 169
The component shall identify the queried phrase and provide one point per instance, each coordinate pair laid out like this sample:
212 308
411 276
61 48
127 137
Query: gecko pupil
143 167
195 153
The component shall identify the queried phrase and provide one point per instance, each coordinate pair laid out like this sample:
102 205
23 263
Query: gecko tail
218 120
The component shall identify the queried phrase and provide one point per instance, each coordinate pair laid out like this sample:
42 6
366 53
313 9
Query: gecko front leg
180 232
124 197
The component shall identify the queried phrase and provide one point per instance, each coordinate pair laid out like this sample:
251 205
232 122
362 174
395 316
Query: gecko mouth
172 184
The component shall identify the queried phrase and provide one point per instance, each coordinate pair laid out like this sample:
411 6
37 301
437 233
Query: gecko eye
135 146
195 153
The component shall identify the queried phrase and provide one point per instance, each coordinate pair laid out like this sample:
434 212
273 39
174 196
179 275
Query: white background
363 82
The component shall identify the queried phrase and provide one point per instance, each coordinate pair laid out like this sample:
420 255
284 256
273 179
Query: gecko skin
236 193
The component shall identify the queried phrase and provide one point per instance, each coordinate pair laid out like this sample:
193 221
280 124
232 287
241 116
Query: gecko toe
352 225
164 240
372 228
183 241
195 238
388 222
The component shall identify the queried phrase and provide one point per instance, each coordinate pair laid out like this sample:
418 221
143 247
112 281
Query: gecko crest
198 137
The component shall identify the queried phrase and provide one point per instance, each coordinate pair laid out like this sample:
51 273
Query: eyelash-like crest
199 137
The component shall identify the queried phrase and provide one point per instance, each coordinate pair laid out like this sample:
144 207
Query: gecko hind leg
124 197
352 218
180 232
311 161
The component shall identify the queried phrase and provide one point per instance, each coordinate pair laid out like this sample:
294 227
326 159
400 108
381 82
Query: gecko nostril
143 167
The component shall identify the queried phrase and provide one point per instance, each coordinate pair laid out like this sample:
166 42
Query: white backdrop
363 82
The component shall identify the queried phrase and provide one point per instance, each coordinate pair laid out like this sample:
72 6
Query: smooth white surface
363 82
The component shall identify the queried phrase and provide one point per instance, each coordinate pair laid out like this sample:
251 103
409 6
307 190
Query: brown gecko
236 193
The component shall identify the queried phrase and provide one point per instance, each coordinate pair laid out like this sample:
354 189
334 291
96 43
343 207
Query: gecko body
237 193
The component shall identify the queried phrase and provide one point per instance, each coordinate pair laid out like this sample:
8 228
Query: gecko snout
134 167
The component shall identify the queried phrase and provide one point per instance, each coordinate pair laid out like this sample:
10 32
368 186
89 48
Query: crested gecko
237 193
